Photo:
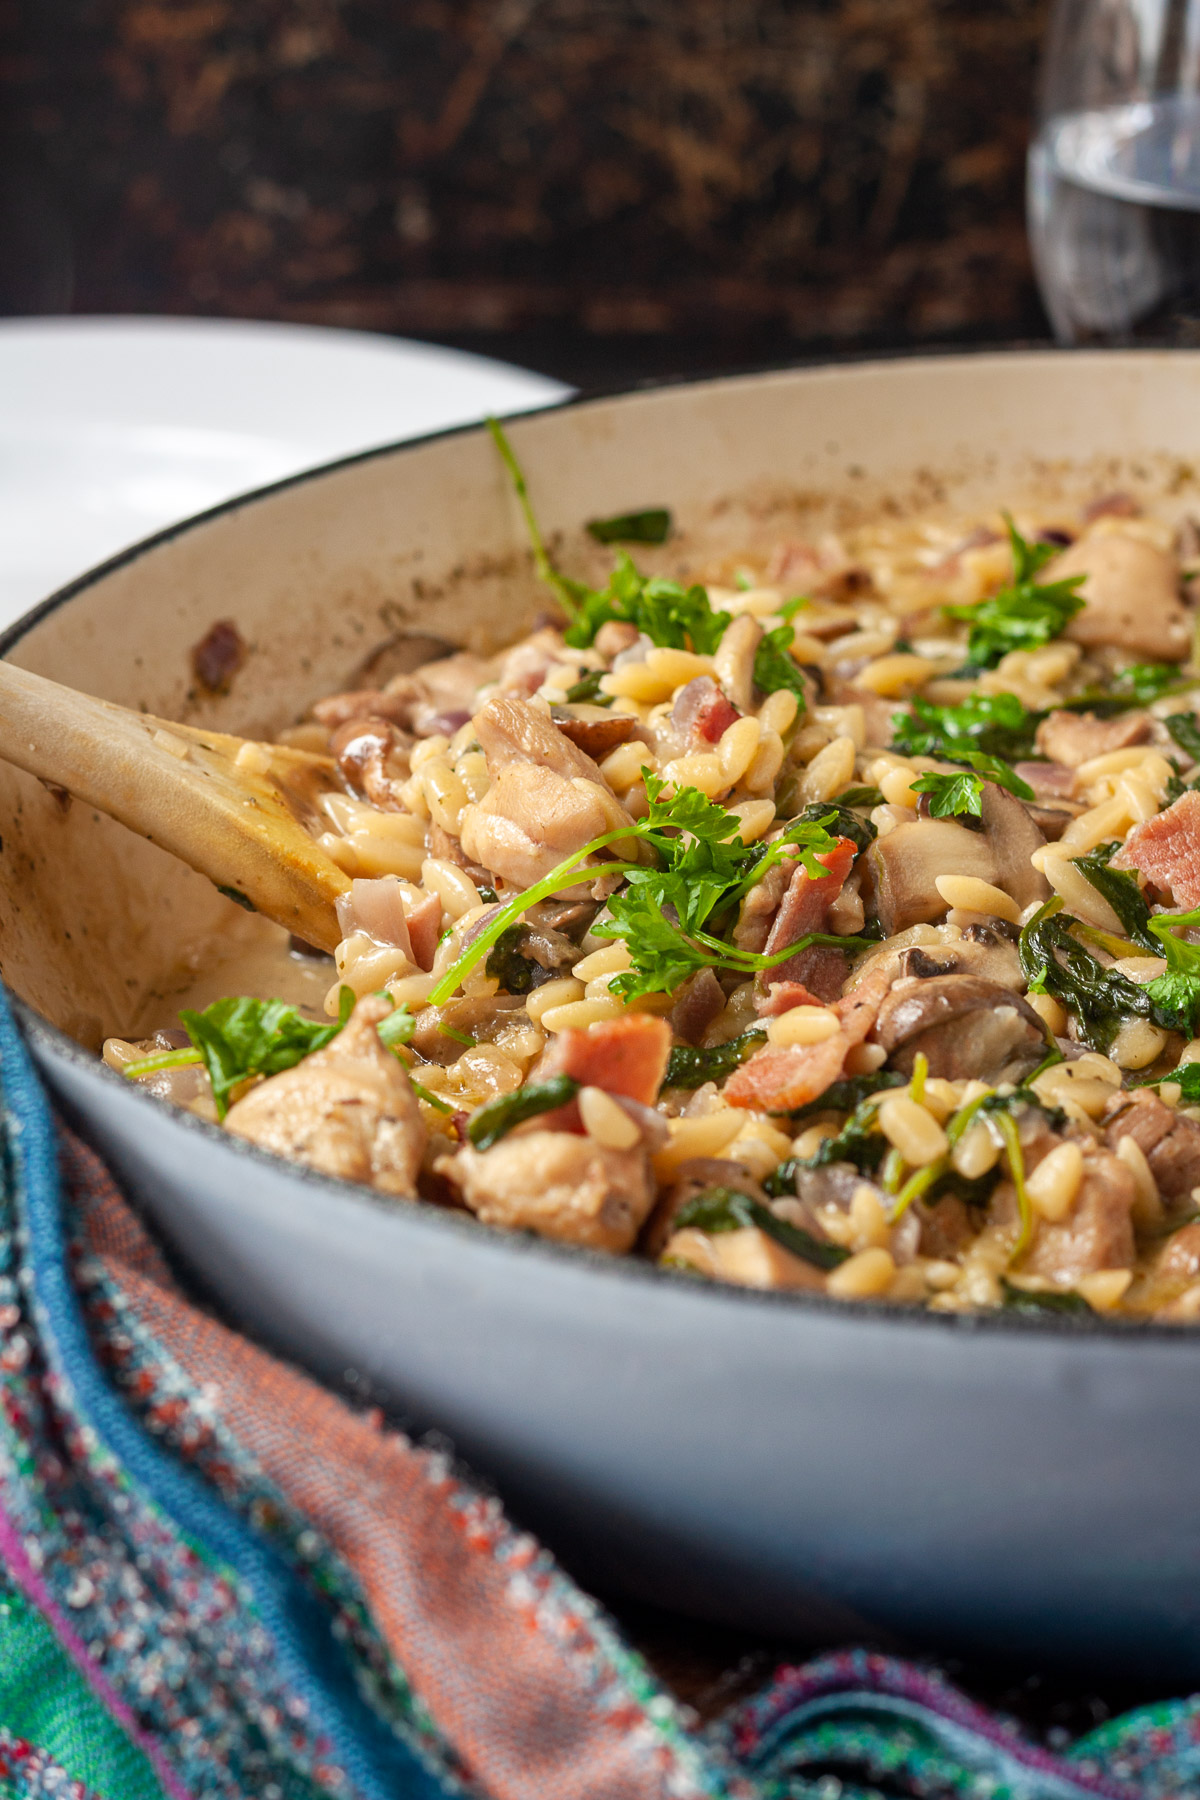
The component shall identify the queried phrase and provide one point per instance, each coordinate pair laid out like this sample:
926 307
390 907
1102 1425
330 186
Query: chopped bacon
701 998
781 998
627 1055
808 899
701 712
1165 851
780 1078
1074 738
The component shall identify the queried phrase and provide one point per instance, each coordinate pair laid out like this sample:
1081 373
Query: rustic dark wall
776 173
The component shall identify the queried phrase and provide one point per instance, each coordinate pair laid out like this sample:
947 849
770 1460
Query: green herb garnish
1176 994
836 817
774 667
1024 615
845 1096
996 724
669 615
496 1118
240 1037
650 527
1138 684
860 796
720 1209
951 796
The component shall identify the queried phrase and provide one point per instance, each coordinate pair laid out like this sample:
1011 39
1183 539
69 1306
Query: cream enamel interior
96 924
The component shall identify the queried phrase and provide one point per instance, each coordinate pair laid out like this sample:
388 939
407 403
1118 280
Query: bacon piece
701 712
781 998
803 909
627 1056
778 1079
701 998
1165 850
1074 738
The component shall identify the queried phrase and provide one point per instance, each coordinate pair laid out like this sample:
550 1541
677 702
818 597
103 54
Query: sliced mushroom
593 730
903 868
1013 838
964 1026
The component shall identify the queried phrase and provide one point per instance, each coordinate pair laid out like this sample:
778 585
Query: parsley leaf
952 795
650 527
1138 684
1176 995
997 724
587 688
671 616
1037 1303
240 1037
1023 615
774 668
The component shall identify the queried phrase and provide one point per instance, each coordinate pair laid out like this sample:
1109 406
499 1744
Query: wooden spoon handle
224 805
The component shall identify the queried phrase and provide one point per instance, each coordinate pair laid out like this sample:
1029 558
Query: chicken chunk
1131 596
547 797
558 1184
347 1110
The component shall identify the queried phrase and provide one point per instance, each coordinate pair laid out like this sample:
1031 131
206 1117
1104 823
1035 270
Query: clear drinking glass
1114 172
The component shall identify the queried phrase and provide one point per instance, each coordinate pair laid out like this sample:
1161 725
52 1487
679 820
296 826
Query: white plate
113 428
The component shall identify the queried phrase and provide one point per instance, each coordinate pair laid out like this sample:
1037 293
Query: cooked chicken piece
347 1110
1052 782
1179 1261
747 1257
547 798
527 664
436 696
904 866
1131 592
1073 738
557 1184
1169 1142
1165 851
967 1028
1097 1233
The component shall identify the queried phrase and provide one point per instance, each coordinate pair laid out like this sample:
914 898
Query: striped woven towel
222 1581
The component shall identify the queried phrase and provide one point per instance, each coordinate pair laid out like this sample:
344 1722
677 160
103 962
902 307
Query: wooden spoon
232 808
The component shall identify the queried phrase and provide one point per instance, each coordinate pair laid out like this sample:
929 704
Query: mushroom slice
904 867
964 1026
1013 837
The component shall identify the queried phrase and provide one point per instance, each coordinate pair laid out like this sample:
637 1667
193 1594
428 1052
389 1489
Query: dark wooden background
599 187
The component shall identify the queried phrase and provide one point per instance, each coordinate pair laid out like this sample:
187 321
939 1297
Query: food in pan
827 920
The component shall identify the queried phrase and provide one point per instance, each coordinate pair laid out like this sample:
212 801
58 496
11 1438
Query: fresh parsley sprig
774 665
671 616
1025 614
952 796
1176 994
996 724
700 868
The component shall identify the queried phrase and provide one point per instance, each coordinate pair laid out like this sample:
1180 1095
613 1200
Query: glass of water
1114 172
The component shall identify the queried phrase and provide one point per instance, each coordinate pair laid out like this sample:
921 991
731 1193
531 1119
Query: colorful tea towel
222 1582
